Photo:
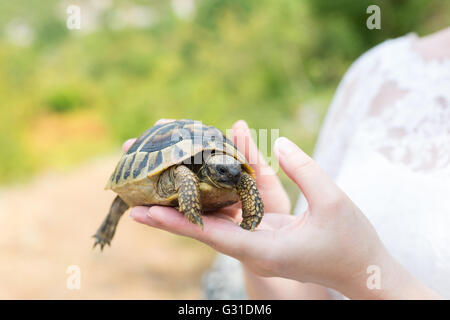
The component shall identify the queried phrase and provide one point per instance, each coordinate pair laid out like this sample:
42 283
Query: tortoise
183 164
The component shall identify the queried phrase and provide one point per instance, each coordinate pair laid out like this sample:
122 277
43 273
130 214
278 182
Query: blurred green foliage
265 61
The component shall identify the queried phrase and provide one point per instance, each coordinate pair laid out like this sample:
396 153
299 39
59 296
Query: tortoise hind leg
186 183
107 229
252 204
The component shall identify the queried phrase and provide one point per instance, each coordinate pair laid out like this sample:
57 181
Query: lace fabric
398 102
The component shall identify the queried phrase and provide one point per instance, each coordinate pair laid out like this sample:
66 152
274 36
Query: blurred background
69 98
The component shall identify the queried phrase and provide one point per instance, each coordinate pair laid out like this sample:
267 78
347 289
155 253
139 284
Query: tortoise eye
221 170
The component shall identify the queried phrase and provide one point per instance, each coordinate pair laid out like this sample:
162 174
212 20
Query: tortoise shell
165 166
162 146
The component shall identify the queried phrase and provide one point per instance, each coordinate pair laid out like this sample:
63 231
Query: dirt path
46 226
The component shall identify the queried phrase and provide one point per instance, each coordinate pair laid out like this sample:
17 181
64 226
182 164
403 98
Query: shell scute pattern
165 137
130 163
141 164
167 144
142 138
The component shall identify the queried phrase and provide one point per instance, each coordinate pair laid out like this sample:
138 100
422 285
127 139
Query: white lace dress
386 142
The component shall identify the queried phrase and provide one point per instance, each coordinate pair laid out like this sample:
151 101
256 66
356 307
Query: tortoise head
221 170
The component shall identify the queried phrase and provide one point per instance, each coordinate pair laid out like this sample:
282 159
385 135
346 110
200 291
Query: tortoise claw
102 242
196 219
199 222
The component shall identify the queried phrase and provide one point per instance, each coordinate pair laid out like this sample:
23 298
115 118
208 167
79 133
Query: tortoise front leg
107 229
187 185
252 204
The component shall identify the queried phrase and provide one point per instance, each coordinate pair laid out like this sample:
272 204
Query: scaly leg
186 183
252 204
107 229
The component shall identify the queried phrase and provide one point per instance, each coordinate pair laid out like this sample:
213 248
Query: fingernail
127 144
242 123
138 212
284 146
133 213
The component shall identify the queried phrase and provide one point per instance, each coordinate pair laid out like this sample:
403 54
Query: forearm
280 288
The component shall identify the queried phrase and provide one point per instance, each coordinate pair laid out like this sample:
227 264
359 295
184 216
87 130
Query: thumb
314 183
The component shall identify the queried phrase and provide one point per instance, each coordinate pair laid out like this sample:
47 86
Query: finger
276 221
245 143
315 184
231 211
274 196
127 144
221 234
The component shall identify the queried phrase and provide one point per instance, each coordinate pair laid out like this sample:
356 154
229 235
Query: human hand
331 244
